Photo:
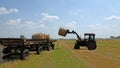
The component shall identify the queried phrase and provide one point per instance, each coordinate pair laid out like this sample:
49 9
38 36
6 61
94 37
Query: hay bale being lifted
63 31
40 36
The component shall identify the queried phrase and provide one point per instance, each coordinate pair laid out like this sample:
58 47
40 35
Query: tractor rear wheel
91 45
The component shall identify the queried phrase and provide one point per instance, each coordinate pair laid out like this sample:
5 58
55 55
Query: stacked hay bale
40 36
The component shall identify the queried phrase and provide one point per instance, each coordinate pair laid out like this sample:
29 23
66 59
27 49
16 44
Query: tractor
88 41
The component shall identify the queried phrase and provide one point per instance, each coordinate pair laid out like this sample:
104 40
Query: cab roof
89 34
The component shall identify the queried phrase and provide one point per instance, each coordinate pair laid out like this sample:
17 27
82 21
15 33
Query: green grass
31 62
58 58
106 55
63 58
109 48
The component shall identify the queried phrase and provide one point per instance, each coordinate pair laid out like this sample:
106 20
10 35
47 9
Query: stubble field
107 55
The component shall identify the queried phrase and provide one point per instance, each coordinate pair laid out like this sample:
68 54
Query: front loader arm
73 32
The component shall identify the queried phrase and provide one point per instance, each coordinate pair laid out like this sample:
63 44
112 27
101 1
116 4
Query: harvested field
107 55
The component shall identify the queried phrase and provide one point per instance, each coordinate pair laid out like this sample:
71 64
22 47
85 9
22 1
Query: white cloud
14 22
47 17
110 18
42 26
98 27
104 30
77 13
72 25
32 24
3 10
28 24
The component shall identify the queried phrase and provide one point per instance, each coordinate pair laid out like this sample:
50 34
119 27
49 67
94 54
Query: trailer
39 44
14 46
21 47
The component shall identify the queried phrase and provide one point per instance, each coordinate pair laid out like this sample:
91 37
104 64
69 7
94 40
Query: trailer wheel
1 56
52 45
48 47
76 46
39 50
6 51
24 54
91 45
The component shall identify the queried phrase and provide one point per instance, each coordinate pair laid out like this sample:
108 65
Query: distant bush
115 37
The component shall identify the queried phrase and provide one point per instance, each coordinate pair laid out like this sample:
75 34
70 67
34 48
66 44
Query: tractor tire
91 45
76 46
24 54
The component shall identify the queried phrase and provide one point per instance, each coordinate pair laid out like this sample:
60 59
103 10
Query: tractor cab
89 36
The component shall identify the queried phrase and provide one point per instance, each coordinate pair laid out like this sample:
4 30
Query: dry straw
40 36
62 31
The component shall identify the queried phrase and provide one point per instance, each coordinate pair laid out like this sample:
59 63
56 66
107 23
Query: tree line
115 37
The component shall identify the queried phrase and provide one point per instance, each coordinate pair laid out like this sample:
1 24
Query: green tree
22 37
118 37
112 37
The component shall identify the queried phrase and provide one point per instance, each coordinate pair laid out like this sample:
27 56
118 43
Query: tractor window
89 37
86 37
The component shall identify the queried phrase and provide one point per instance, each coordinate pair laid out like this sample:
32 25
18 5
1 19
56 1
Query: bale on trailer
40 40
40 36
47 36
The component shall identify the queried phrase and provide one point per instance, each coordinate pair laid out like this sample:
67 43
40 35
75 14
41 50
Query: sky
27 17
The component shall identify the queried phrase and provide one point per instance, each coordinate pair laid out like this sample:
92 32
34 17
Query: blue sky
26 17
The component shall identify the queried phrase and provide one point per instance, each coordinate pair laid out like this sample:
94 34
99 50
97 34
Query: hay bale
40 36
47 36
62 31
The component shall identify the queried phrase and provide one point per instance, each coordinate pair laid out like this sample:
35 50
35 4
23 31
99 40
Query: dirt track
95 58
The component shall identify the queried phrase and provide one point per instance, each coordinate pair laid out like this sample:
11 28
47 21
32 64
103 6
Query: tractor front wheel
76 46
